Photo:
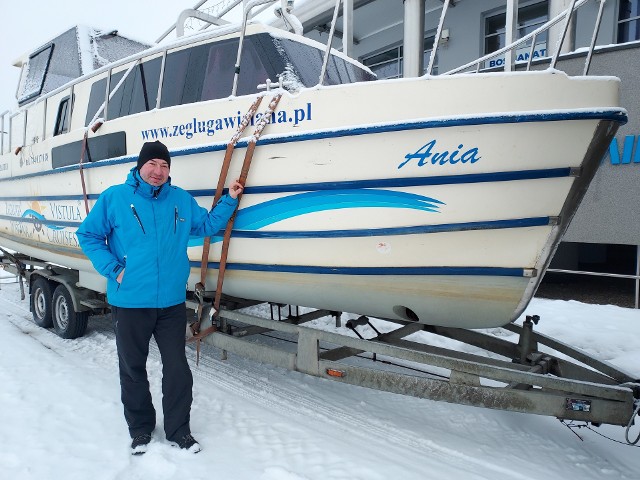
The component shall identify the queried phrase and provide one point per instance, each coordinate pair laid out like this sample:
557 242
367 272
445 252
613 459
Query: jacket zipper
175 220
135 214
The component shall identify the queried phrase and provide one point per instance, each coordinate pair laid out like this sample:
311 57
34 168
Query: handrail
172 27
193 13
325 60
250 5
436 40
543 28
587 63
567 21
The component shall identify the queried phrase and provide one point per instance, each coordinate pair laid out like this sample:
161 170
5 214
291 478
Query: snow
61 415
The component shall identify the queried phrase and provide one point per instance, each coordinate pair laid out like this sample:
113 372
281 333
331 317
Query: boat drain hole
406 313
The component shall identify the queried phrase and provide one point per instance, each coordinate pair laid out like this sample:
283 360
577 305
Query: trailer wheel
41 301
66 321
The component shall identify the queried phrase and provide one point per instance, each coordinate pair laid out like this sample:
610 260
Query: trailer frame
517 377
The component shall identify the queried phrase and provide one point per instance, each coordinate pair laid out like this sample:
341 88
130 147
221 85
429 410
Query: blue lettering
470 155
423 154
442 157
452 159
627 151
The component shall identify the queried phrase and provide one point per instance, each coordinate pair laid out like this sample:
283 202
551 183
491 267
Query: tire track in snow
249 380
251 383
289 400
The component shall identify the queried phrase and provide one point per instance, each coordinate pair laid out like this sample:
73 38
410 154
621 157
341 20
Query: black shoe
139 444
188 443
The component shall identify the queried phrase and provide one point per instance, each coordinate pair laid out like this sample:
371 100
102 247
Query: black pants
134 328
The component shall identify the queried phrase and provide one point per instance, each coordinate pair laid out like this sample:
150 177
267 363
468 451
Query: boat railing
285 13
566 17
3 132
208 18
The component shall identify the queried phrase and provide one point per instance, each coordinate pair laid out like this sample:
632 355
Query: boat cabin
72 54
58 96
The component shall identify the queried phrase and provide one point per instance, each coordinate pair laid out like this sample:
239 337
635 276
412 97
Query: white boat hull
444 209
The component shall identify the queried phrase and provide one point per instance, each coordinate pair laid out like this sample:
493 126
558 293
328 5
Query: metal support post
347 28
637 274
413 63
511 33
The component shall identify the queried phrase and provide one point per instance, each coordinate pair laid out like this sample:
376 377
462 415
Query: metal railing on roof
566 17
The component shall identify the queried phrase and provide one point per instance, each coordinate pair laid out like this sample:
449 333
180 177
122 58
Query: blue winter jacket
146 229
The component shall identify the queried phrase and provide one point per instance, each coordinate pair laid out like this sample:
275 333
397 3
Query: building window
529 18
629 21
388 64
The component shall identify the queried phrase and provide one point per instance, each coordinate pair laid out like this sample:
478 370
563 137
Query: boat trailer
569 385
519 377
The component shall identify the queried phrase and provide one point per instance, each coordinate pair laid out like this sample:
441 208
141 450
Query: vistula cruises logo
431 154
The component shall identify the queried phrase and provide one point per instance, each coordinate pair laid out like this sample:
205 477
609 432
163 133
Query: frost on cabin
68 56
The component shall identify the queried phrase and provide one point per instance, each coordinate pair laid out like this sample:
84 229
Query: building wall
609 213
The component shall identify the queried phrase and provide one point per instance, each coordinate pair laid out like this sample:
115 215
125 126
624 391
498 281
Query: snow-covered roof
75 52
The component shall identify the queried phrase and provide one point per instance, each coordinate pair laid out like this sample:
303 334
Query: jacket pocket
135 214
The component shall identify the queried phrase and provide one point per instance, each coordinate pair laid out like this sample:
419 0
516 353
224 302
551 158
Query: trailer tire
41 302
67 323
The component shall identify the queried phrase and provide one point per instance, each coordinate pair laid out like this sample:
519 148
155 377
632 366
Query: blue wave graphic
273 211
38 216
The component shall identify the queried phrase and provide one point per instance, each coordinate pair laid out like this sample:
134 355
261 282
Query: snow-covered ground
61 418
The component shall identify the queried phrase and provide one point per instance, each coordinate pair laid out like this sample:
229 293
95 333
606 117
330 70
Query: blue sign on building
630 141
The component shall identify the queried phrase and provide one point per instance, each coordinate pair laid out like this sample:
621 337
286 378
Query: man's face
155 172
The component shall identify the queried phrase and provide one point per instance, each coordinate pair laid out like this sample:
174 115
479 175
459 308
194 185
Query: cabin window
206 72
96 99
34 73
97 96
63 117
629 21
100 147
139 91
529 18
305 62
18 122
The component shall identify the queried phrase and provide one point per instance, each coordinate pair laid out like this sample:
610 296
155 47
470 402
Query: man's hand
235 189
120 275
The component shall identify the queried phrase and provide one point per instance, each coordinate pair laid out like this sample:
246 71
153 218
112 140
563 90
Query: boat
439 199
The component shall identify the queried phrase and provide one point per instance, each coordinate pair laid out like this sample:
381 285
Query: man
136 235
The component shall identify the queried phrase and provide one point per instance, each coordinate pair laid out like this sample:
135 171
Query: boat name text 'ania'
427 154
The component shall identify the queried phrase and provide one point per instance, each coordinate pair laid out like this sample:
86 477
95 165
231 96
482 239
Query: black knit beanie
151 150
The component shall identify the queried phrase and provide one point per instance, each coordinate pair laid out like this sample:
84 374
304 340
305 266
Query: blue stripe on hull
354 184
377 271
369 232
374 232
612 114
616 115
